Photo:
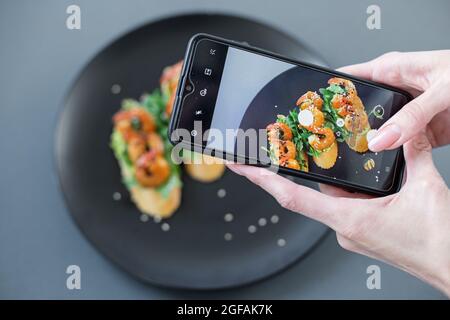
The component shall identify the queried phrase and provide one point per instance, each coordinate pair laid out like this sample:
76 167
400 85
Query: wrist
440 245
445 280
438 277
438 274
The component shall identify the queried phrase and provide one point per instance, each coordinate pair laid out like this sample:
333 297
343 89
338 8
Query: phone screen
313 120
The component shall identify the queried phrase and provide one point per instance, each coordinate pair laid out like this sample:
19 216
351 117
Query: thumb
362 70
418 156
411 119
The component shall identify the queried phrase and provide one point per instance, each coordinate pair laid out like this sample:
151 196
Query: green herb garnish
300 134
331 115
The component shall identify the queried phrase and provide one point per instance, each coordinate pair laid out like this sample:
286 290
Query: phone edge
400 165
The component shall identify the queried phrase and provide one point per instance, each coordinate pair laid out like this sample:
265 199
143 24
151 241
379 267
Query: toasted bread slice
358 140
327 158
151 202
204 168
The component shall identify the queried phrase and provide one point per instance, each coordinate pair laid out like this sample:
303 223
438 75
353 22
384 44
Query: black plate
194 252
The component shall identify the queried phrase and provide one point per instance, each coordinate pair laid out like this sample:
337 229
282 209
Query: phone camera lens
188 88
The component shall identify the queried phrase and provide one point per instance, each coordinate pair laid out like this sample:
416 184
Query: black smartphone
243 103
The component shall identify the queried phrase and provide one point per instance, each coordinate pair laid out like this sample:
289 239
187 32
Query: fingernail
385 138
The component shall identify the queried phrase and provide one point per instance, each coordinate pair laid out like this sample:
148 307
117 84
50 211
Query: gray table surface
39 59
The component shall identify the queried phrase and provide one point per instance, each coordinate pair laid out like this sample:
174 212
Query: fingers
412 118
369 201
402 70
338 192
418 156
409 71
438 130
362 70
334 212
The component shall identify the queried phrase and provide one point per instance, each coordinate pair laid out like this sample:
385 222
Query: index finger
402 70
336 212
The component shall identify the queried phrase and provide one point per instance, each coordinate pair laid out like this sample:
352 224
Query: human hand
409 229
426 75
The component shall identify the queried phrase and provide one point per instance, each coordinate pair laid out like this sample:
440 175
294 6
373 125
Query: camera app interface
313 121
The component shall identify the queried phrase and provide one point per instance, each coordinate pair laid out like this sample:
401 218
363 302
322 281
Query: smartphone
243 103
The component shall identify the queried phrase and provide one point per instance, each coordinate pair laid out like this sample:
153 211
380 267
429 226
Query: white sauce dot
274 219
157 219
221 193
116 196
312 138
228 236
262 222
340 123
305 117
228 217
115 89
165 226
251 229
281 242
144 217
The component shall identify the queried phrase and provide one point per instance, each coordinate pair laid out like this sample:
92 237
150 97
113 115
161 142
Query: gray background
39 59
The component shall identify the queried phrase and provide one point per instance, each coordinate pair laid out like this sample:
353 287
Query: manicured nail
385 138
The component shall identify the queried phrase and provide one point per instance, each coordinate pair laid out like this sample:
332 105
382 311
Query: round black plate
193 253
